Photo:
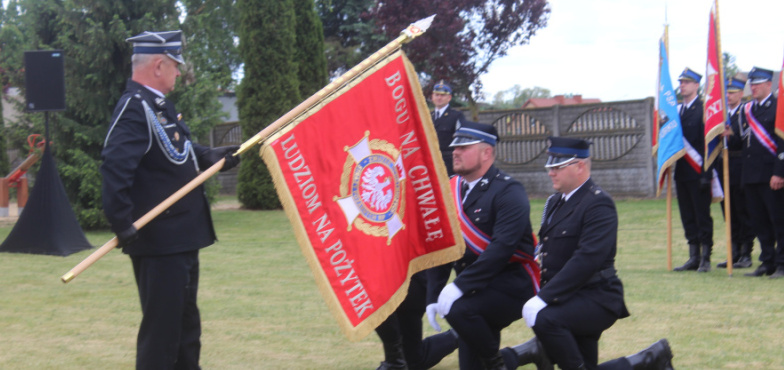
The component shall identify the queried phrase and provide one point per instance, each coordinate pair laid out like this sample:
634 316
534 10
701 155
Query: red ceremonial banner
715 112
364 186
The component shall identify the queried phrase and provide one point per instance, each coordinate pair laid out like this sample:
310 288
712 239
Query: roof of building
557 100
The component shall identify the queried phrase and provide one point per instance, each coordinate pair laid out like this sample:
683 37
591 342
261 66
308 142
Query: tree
518 96
730 68
466 37
312 72
11 46
211 60
269 89
347 26
92 35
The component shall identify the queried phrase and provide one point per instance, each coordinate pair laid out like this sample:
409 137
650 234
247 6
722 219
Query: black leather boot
744 261
393 356
656 357
694 259
705 259
494 363
761 270
735 257
532 352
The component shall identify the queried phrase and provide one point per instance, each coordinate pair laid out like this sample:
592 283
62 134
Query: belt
602 275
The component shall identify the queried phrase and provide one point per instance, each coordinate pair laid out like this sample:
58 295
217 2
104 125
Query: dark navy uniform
143 164
494 289
765 205
445 126
693 188
584 296
741 228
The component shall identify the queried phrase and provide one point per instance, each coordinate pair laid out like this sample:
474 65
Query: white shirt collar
156 92
440 112
567 196
764 100
691 102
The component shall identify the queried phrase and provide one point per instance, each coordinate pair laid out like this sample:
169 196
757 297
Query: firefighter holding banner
497 272
147 156
693 184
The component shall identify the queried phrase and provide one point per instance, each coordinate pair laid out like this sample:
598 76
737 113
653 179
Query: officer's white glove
531 309
431 316
448 295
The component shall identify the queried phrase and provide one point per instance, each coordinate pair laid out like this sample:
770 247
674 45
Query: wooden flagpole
669 218
725 151
407 35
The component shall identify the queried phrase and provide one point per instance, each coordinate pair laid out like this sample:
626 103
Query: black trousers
570 333
766 208
740 227
694 204
478 320
405 325
170 329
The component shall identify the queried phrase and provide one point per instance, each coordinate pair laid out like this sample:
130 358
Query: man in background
446 120
763 173
740 220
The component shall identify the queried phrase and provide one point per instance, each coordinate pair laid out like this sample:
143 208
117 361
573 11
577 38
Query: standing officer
497 273
446 120
763 173
581 296
147 156
740 220
691 182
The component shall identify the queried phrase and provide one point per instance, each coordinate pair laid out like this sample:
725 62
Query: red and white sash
477 241
759 131
692 157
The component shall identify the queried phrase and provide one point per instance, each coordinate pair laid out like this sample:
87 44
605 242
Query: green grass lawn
261 309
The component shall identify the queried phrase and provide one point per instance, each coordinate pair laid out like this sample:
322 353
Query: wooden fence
620 132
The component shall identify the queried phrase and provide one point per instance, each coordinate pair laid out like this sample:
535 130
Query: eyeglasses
558 168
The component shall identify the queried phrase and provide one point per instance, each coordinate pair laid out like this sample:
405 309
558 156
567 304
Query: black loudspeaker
44 80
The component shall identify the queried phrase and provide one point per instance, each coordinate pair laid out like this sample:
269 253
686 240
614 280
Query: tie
464 190
556 207
438 114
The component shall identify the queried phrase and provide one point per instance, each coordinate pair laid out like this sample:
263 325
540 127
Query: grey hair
141 60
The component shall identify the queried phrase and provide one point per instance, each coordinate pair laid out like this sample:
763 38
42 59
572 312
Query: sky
608 49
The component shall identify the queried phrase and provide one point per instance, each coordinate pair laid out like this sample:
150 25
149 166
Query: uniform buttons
544 254
476 219
546 237
555 300
544 270
563 232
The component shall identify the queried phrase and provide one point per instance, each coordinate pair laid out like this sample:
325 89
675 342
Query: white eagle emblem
373 191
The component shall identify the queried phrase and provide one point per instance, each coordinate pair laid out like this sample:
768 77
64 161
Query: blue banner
670 140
